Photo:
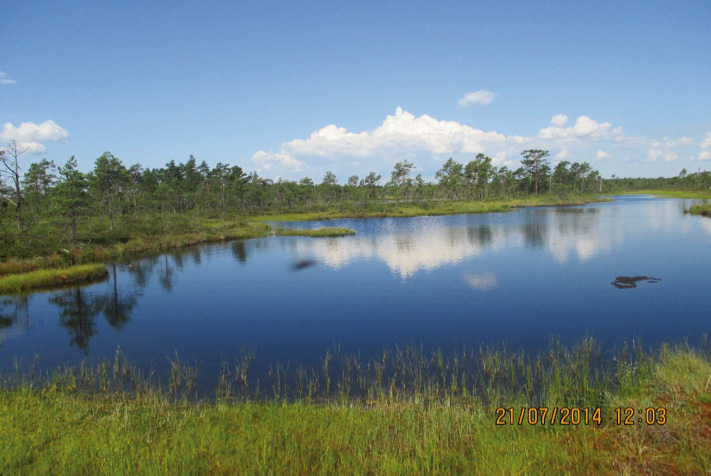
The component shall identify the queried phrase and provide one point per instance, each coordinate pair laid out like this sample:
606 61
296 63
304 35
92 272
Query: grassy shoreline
433 208
51 278
671 193
327 232
703 210
62 427
154 235
134 237
59 269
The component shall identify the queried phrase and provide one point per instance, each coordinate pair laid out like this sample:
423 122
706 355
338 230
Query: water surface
514 278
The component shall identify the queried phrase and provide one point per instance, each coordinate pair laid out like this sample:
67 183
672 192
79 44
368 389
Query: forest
45 206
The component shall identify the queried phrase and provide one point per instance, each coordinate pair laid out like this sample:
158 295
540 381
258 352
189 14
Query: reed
401 413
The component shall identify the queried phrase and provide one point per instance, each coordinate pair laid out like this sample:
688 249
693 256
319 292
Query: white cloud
706 143
48 131
653 154
560 120
680 142
584 128
671 156
398 134
427 142
5 80
482 97
31 137
562 155
276 162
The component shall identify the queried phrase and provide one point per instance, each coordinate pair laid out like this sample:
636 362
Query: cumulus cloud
584 127
399 132
31 137
671 156
481 97
560 120
270 161
706 143
427 142
5 80
654 154
47 131
680 142
564 154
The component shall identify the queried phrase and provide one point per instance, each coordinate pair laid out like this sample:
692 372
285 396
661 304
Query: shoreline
214 230
652 412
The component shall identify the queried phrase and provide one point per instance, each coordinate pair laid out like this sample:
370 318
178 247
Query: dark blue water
513 278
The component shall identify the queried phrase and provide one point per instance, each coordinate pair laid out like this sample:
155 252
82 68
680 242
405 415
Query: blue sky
292 89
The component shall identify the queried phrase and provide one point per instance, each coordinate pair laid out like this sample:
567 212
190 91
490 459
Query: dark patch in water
303 264
627 282
6 321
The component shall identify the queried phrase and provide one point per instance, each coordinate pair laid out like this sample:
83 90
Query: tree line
112 189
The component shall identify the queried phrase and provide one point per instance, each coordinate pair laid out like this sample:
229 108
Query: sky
294 89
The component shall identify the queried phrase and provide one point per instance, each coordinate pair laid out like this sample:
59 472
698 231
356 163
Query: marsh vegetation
405 409
405 412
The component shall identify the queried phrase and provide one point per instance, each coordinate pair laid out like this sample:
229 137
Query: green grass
47 247
427 208
132 238
72 265
671 193
703 210
139 238
318 233
17 283
87 422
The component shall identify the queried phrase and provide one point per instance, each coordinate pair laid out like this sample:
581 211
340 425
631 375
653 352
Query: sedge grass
110 420
17 283
317 233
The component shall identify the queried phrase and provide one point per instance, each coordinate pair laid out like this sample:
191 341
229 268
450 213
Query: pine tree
70 196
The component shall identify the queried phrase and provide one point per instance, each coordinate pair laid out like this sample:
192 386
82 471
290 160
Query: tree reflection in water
78 316
79 309
239 251
117 308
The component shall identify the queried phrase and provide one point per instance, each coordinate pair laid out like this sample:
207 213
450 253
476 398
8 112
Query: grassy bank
47 250
82 423
317 233
47 247
52 271
672 193
704 210
46 278
431 208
